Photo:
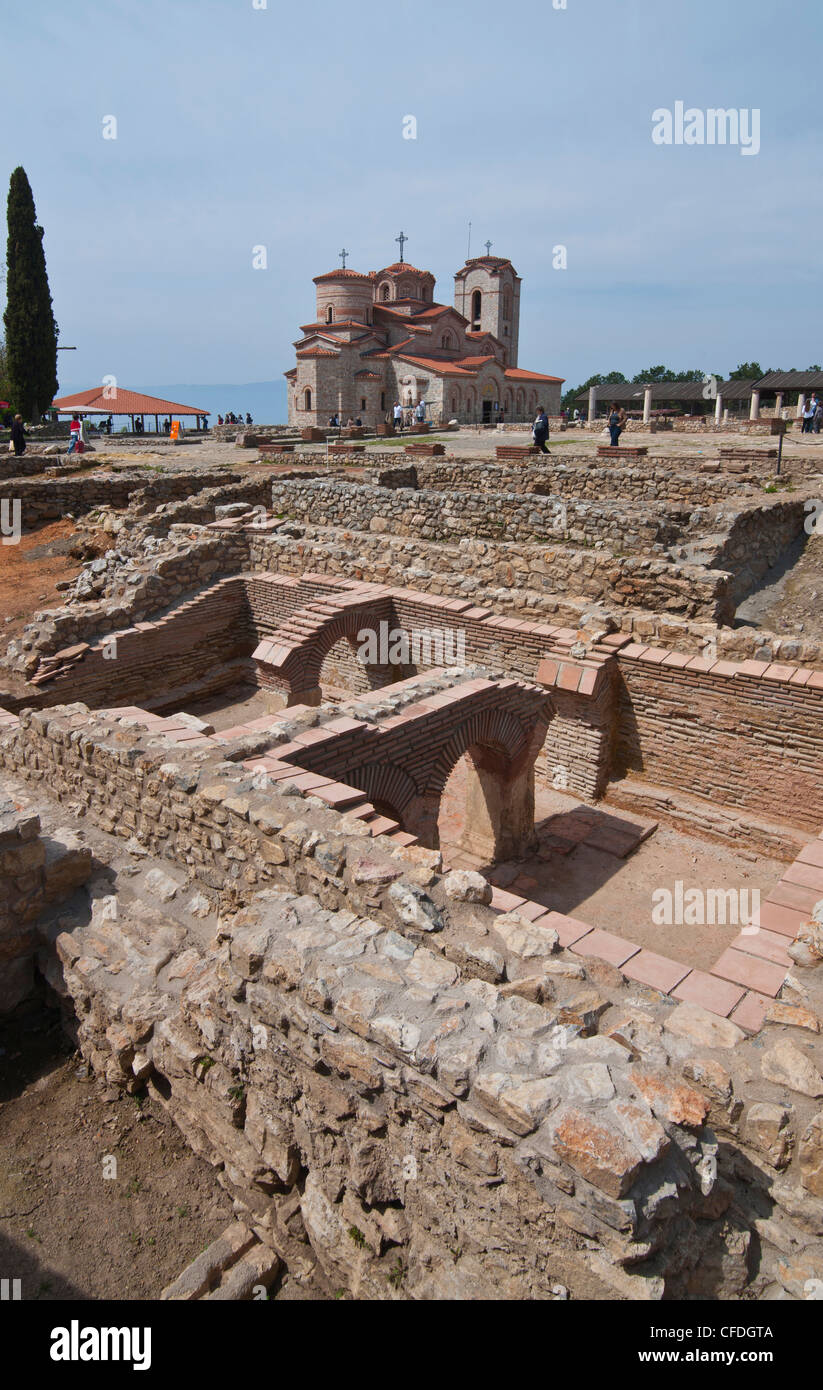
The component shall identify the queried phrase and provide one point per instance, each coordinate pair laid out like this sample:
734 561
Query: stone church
381 337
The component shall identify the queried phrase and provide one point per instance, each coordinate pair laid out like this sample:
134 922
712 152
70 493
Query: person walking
808 416
614 425
818 413
398 415
74 433
18 436
540 430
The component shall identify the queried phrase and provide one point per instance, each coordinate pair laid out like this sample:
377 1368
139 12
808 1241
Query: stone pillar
592 405
499 818
718 409
778 405
801 406
647 405
754 411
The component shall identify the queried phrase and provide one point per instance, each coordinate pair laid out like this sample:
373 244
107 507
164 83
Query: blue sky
282 126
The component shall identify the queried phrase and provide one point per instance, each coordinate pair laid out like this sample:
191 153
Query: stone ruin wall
432 1099
205 644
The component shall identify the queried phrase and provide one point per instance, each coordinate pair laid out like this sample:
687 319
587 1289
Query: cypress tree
31 332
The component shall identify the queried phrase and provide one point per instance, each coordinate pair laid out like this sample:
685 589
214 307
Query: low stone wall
653 479
33 873
49 500
446 516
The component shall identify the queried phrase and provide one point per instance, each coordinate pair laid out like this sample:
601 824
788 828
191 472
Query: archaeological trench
411 1062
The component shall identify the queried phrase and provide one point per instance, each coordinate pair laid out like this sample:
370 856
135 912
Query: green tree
747 371
613 379
31 332
654 374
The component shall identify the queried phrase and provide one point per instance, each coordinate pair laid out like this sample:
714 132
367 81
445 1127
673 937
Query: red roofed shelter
116 400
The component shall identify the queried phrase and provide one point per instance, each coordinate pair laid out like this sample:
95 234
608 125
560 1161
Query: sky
254 123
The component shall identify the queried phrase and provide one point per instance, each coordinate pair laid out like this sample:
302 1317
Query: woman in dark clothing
18 436
615 425
540 430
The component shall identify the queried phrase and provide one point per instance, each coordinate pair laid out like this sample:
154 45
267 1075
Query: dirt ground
789 600
67 1231
29 572
615 893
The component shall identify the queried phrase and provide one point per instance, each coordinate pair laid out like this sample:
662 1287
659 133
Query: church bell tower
487 293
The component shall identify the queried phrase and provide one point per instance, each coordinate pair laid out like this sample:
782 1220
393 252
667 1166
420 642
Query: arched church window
385 291
477 300
329 314
307 398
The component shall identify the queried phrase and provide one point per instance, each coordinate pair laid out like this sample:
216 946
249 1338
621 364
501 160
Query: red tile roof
341 274
433 364
519 374
116 400
318 352
398 266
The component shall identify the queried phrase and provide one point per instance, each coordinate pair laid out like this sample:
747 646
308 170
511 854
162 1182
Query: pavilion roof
116 400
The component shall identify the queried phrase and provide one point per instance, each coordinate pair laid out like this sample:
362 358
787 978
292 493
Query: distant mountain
265 401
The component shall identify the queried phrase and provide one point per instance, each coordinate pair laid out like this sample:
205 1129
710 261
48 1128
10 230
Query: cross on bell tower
488 245
402 238
343 254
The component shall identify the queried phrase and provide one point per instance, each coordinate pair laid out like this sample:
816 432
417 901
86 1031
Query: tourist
18 436
808 416
818 413
109 423
398 415
540 430
614 424
220 419
420 413
74 433
249 420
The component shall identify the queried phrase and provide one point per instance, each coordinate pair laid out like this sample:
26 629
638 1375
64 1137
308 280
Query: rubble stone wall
34 871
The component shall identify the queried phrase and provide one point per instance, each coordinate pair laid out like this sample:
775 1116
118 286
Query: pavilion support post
801 406
592 406
718 409
754 411
647 405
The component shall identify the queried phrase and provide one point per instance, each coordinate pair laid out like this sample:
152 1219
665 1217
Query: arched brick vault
406 762
292 658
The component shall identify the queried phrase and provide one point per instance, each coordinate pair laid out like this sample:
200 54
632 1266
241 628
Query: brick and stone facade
381 338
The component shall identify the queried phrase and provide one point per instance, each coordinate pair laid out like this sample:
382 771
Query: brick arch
501 751
388 785
292 658
495 730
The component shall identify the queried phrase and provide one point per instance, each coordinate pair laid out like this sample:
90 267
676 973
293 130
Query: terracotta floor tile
709 992
755 974
648 968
